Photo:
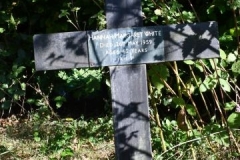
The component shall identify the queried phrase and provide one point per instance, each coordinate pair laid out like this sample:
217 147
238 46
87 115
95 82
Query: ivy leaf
63 13
225 85
2 30
157 83
231 57
233 120
199 66
5 86
12 20
188 16
203 88
191 110
155 71
223 54
75 9
209 83
158 12
67 152
17 70
62 75
229 106
236 67
31 101
37 137
234 32
163 71
178 101
189 62
213 63
188 89
108 83
23 86
59 101
6 105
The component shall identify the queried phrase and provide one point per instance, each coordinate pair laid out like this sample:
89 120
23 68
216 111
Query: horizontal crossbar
124 46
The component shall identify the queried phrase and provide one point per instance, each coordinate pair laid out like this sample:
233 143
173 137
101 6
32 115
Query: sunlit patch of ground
17 142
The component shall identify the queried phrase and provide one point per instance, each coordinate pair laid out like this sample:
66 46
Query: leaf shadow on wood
60 50
191 41
121 14
178 42
127 140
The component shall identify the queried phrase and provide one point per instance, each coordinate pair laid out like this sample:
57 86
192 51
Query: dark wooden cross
126 47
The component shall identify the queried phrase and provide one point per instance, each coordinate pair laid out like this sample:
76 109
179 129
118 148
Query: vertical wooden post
129 90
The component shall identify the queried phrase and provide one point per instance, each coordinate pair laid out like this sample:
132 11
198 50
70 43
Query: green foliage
233 120
158 81
82 82
20 85
42 137
205 90
169 12
59 101
194 86
58 138
236 67
205 144
13 78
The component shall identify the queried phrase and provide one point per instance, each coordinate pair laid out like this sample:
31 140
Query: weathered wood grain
177 42
190 41
60 50
129 91
169 43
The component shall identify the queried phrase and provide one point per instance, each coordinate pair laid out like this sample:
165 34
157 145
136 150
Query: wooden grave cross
126 48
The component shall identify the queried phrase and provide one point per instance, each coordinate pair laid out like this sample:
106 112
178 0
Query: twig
97 4
193 140
157 117
45 98
204 101
4 153
190 97
194 10
236 28
76 18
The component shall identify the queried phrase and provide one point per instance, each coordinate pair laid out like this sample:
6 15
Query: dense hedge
175 86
